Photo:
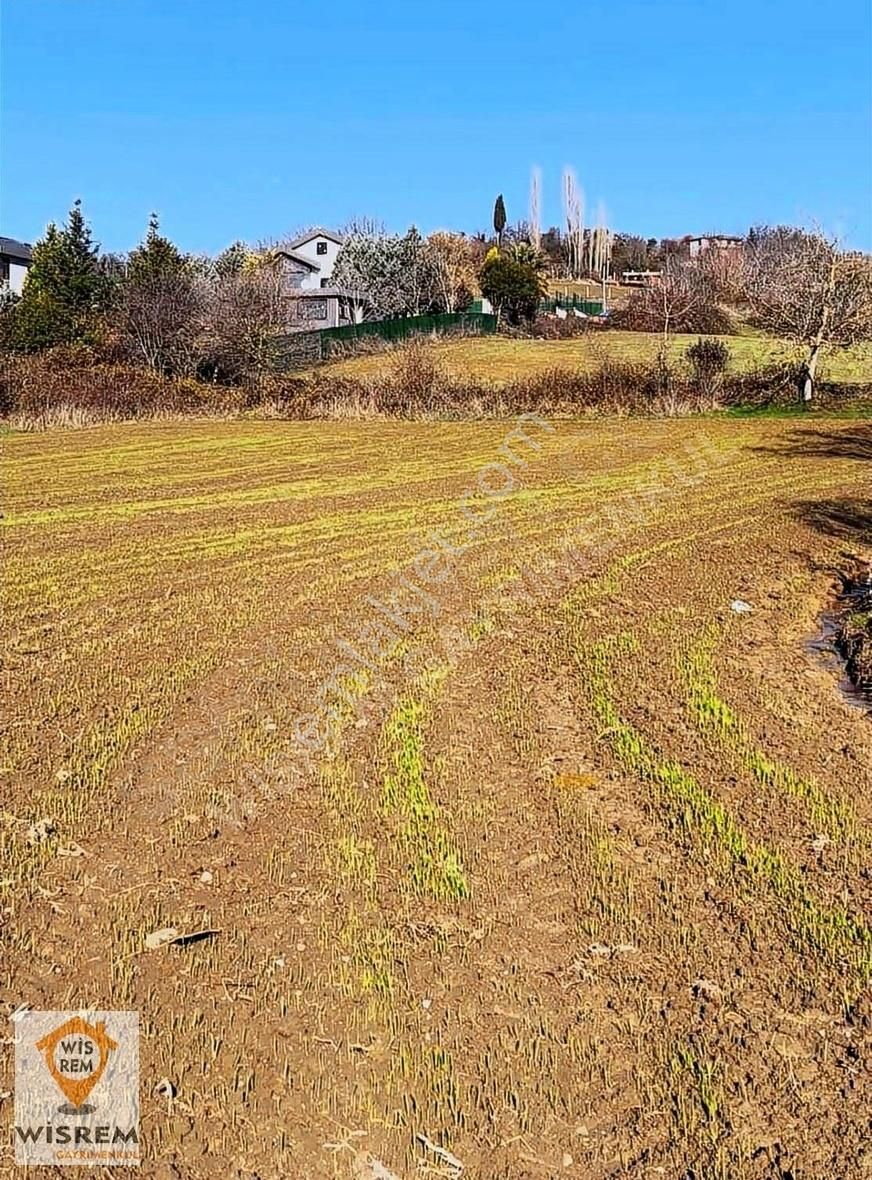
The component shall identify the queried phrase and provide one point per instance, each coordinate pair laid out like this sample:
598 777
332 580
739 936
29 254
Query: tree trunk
808 375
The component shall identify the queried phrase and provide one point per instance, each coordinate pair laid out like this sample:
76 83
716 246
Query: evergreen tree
231 262
514 288
156 257
159 304
499 218
82 286
64 292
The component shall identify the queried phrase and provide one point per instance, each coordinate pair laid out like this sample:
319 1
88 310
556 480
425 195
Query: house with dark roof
15 261
312 257
313 301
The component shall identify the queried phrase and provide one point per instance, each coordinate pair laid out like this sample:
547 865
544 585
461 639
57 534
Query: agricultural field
500 358
447 794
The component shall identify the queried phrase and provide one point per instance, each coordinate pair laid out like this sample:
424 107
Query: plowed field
527 831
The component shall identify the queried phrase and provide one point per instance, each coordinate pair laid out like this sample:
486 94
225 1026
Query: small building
313 301
641 278
697 246
16 259
325 307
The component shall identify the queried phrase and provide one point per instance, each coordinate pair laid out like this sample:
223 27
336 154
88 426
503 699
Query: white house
307 264
319 247
15 262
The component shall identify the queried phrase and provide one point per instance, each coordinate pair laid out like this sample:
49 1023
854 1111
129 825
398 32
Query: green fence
573 303
415 325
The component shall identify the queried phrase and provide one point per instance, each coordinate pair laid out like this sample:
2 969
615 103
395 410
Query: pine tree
156 257
64 292
231 262
159 304
81 287
499 218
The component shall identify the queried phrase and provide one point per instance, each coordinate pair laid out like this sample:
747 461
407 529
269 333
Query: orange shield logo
76 1054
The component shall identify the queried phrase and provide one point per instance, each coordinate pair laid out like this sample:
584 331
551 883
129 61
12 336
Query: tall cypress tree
499 218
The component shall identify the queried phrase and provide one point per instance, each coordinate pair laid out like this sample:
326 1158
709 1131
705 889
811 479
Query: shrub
552 327
75 385
708 357
644 313
514 288
72 385
709 360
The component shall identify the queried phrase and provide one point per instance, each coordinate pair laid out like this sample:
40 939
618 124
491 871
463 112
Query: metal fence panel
417 325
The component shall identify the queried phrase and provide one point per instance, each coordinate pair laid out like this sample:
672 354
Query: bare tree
799 284
680 300
362 225
417 277
243 314
573 208
158 316
600 249
676 297
536 208
454 269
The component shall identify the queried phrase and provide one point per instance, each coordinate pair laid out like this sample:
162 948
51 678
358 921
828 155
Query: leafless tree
159 320
454 270
677 296
680 300
799 284
573 208
600 242
363 226
536 208
241 318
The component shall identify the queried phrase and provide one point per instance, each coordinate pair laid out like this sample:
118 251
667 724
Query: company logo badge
91 1061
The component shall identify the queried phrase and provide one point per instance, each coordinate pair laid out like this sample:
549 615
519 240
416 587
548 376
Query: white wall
324 262
17 275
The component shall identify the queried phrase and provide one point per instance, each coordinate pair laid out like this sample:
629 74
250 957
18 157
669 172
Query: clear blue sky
247 118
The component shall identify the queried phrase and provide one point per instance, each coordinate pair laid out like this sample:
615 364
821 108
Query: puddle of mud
828 646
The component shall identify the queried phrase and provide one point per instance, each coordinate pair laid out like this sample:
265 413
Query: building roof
318 232
287 253
16 249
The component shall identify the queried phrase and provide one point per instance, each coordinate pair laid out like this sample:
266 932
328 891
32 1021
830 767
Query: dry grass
501 359
578 883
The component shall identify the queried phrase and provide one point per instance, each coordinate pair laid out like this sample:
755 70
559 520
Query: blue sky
237 119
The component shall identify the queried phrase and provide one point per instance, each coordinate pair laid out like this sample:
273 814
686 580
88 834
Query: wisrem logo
92 1060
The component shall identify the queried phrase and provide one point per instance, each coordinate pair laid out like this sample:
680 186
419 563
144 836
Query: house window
325 282
313 309
321 248
4 270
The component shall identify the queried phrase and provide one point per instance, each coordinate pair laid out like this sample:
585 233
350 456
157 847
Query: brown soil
584 892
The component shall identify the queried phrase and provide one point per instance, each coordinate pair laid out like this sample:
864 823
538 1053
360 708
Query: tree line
219 318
